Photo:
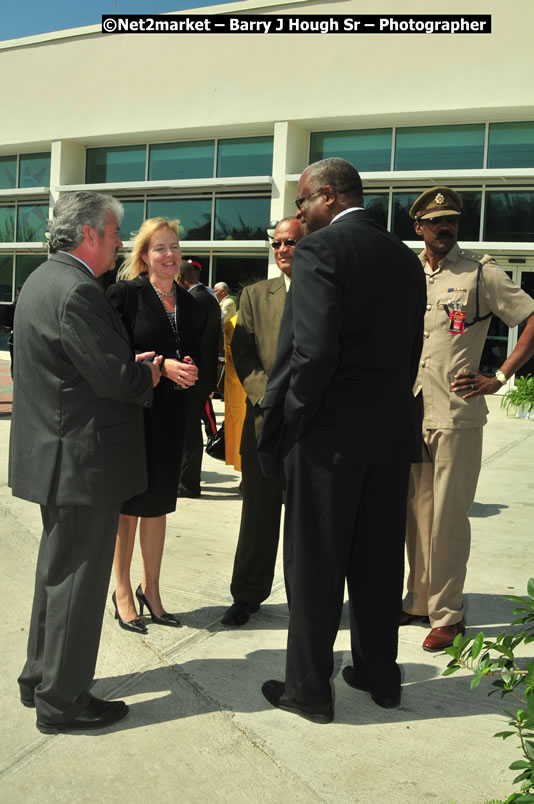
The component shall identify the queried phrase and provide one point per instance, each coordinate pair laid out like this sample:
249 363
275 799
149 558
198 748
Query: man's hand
475 384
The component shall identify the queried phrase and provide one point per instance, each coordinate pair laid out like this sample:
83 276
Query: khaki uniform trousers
438 533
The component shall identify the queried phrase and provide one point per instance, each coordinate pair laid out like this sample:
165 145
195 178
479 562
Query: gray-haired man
77 449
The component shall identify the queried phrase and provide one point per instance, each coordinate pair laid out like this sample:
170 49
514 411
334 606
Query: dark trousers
345 519
194 444
259 531
71 583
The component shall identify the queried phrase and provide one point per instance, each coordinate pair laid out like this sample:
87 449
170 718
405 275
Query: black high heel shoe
129 625
165 619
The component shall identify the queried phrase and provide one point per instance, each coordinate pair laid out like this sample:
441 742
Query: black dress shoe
96 714
193 494
385 701
239 613
274 691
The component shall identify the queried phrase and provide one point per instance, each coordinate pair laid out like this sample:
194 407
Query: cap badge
440 198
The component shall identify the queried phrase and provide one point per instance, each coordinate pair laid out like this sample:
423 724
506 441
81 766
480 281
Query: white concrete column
67 166
290 155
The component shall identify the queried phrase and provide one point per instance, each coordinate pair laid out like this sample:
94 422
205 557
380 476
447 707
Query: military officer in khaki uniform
463 291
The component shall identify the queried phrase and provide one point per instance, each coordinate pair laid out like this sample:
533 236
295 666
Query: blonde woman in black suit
156 311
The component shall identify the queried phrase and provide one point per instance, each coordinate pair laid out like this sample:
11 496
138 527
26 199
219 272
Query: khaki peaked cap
436 201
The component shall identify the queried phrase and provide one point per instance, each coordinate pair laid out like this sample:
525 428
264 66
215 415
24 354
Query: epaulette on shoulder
470 255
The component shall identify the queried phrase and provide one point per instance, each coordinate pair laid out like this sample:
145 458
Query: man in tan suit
254 349
228 308
463 291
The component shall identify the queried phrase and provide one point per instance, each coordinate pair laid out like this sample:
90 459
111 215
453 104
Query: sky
28 17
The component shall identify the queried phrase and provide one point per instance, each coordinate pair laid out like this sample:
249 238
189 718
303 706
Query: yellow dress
234 401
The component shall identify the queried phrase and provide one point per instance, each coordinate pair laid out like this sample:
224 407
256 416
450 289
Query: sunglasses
442 219
278 243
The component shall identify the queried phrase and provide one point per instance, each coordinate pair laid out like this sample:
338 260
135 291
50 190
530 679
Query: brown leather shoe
443 637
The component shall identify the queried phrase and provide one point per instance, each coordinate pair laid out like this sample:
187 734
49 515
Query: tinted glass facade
181 160
238 271
440 147
34 170
194 215
509 216
7 224
120 164
245 156
8 172
241 218
31 222
367 150
511 145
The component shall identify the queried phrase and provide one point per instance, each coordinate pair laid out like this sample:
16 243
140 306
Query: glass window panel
439 147
34 170
241 218
194 215
25 264
6 277
8 172
376 205
31 222
511 145
239 271
246 156
7 224
181 160
133 218
401 223
116 164
367 150
470 219
509 216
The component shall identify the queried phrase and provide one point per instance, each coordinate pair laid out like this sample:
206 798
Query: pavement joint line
505 449
25 755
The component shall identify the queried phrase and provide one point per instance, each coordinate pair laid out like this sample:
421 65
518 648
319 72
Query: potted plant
521 397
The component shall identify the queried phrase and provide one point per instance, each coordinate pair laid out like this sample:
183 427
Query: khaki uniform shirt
444 353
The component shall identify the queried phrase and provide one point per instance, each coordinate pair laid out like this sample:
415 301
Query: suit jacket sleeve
247 364
99 349
317 319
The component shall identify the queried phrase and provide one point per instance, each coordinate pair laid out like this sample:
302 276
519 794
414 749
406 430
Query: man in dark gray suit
254 350
77 449
339 410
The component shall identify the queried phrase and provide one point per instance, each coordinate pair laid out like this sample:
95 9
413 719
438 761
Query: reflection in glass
31 222
194 215
7 224
245 156
401 223
511 145
6 277
509 216
439 147
366 150
8 172
241 218
376 204
115 164
239 271
25 264
34 170
181 160
133 218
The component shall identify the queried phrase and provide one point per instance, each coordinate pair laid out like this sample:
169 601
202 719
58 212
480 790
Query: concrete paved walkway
199 729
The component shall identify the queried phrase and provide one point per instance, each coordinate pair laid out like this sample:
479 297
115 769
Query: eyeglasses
289 243
442 219
299 201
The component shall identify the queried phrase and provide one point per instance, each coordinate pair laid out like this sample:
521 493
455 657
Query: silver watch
501 376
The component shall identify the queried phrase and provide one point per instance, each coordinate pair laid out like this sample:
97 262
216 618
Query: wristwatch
501 376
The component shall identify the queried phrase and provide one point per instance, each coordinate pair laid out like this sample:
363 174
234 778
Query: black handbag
215 444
